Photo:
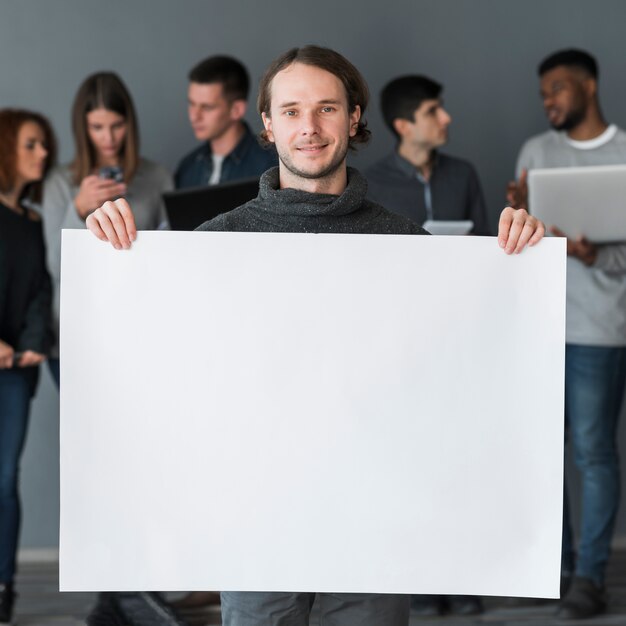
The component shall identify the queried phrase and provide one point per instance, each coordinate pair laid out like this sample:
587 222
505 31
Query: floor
40 604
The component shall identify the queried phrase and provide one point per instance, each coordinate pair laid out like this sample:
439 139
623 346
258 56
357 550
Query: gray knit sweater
277 210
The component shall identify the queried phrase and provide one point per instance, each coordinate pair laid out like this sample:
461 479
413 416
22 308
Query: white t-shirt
218 160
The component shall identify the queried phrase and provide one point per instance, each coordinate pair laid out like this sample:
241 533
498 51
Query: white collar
596 142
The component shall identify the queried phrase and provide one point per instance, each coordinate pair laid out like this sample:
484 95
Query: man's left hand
517 229
581 248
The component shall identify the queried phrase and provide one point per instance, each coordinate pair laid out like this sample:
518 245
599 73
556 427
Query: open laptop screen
188 208
581 201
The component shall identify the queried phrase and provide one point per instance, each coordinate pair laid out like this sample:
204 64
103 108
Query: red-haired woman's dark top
25 290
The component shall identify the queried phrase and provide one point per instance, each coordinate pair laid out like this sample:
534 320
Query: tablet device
448 227
188 208
581 201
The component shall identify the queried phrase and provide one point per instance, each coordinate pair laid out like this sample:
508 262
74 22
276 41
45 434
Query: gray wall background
484 51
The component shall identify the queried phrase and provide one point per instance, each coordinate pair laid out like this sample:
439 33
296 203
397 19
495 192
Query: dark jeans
293 609
14 405
53 366
594 387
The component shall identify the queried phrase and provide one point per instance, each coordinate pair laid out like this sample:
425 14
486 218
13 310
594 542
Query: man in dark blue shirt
218 93
416 180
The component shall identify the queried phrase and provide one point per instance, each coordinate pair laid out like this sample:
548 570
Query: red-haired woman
26 153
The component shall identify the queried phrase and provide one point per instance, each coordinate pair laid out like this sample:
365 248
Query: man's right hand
517 192
94 191
6 356
114 222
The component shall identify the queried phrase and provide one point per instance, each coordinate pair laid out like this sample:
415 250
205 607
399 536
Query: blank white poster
282 412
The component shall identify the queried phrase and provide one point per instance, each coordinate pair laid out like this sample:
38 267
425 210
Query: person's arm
610 258
167 184
34 338
93 191
60 209
517 190
6 356
6 351
35 334
58 212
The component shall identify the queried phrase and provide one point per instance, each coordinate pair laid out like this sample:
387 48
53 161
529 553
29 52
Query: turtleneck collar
303 203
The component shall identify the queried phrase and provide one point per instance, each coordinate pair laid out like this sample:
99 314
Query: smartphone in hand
112 173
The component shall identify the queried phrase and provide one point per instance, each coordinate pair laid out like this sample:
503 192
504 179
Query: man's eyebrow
287 105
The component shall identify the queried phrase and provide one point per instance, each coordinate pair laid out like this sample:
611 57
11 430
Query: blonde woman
107 165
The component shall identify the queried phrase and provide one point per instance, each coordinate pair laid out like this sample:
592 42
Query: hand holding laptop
517 191
580 248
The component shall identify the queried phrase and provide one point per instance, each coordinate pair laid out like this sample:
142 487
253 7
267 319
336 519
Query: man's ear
355 116
267 123
591 87
400 126
238 110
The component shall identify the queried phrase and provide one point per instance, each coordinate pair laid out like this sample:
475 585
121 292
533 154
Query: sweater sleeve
611 258
4 280
167 184
58 212
36 331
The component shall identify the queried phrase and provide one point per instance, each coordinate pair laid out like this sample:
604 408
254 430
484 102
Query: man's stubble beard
575 116
330 169
571 121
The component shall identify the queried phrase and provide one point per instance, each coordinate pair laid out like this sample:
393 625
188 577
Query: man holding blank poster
312 102
596 321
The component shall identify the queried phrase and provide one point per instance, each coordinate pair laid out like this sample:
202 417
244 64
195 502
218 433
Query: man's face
429 130
310 121
210 113
565 96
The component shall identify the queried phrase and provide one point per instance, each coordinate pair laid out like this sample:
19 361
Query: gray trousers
293 609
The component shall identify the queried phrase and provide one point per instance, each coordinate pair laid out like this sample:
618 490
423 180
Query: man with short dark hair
595 358
218 94
312 102
217 102
416 180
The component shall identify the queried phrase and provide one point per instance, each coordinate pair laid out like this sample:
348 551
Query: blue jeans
245 608
15 391
53 366
594 387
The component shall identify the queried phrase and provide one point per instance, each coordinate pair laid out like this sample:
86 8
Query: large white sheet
346 413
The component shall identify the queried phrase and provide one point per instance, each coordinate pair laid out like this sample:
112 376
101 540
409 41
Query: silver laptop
589 201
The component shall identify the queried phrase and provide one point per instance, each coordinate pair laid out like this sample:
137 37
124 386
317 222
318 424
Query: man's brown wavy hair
331 61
